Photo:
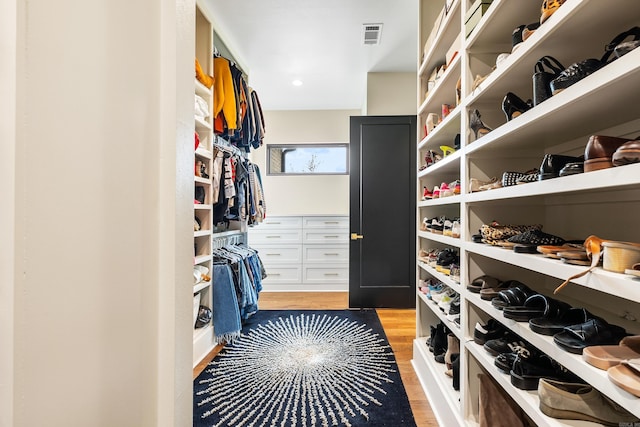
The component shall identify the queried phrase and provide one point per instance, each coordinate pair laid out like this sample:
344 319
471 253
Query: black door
382 258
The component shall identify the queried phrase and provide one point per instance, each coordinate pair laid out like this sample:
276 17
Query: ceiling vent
371 33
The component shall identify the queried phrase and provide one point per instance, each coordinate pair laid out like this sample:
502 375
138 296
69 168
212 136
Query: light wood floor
399 326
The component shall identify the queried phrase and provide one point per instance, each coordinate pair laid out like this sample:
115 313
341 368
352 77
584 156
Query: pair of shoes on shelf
454 272
453 347
522 33
530 367
507 343
451 228
483 282
438 340
442 190
579 401
555 165
513 106
447 301
446 258
579 70
434 225
424 286
426 194
510 178
477 125
449 189
536 306
621 361
434 288
602 152
476 184
549 7
514 295
431 158
607 356
490 330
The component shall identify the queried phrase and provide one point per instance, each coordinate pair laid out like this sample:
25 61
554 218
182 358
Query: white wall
7 194
391 94
305 195
102 214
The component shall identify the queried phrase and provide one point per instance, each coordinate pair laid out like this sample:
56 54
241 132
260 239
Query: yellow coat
224 98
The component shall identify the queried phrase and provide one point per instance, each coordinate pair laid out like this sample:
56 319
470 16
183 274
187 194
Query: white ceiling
319 43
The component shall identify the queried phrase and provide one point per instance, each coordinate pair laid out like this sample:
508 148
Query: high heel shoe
432 121
446 150
476 124
431 157
513 106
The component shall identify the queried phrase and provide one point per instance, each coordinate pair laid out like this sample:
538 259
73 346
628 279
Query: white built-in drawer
325 222
325 254
321 274
283 274
280 222
288 254
274 237
326 236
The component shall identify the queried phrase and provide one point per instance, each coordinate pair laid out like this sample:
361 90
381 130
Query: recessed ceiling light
297 82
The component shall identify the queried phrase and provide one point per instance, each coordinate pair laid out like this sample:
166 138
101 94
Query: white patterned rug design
306 370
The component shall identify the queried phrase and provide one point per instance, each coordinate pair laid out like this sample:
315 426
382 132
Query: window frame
295 145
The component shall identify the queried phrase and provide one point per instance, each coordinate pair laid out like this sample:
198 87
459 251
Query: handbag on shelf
615 256
546 69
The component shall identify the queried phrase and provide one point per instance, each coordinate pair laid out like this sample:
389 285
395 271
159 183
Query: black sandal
515 295
592 332
536 306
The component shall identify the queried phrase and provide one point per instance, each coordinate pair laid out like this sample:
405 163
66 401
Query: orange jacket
224 99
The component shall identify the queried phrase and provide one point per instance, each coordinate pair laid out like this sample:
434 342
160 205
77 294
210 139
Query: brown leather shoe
627 153
599 151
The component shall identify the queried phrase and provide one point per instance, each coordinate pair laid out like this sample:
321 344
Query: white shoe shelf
605 203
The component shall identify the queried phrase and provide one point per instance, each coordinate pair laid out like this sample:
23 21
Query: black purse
546 69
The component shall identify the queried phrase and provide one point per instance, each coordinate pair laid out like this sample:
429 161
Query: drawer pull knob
273 254
331 237
332 254
331 274
356 236
273 274
331 222
273 237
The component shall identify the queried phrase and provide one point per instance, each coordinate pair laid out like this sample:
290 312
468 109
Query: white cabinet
603 203
304 253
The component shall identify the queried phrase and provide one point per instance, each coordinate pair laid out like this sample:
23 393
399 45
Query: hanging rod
224 145
218 242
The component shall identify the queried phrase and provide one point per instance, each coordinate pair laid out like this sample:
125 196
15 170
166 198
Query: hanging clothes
224 100
237 281
258 136
258 208
237 112
237 189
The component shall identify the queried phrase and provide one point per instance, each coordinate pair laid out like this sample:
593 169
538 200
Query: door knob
356 236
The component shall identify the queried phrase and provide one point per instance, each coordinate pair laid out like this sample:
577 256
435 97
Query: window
308 159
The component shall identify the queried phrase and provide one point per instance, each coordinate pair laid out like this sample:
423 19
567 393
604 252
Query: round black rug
304 368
